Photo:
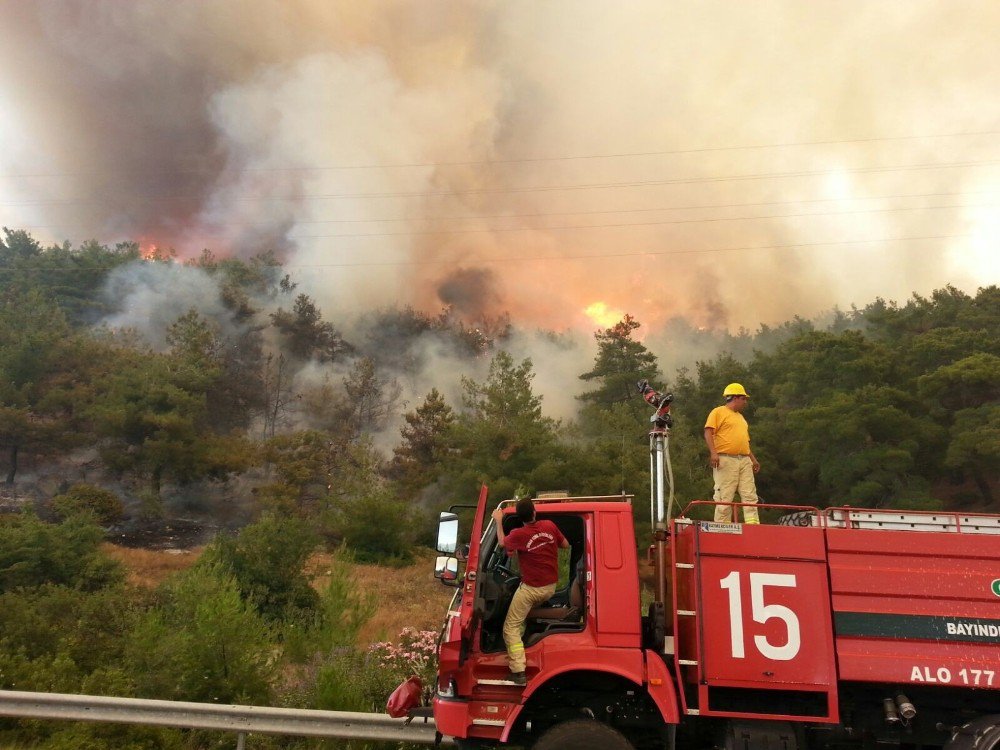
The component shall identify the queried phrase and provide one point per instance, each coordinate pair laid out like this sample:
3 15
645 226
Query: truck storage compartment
913 597
753 620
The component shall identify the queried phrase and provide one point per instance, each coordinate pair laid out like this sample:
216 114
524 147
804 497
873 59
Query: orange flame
602 314
152 250
148 249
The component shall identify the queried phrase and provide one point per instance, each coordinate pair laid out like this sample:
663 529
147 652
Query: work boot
519 678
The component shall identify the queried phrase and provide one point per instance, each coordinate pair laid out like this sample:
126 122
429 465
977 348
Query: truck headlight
448 691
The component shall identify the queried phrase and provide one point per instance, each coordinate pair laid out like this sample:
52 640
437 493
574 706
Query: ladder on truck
685 645
893 520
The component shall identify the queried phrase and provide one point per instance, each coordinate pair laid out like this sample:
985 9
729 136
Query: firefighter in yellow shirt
733 463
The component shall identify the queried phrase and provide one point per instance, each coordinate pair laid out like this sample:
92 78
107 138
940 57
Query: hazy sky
731 162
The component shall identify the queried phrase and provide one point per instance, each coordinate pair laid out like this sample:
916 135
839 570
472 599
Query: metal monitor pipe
661 478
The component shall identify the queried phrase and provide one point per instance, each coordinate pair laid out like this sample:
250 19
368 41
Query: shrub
266 560
86 736
104 505
33 553
88 629
376 526
414 654
203 642
345 679
348 680
341 683
342 611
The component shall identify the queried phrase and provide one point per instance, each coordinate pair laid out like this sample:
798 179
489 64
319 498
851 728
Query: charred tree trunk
12 467
156 481
275 394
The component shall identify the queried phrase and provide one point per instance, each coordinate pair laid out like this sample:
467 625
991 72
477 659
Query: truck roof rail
847 517
762 506
912 520
546 498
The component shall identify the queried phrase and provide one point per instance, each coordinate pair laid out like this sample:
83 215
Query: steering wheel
506 570
503 582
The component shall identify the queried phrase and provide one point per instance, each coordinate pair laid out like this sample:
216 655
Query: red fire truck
835 627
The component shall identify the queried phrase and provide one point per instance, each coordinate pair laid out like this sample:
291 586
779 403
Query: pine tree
43 378
621 361
371 399
418 460
307 335
502 436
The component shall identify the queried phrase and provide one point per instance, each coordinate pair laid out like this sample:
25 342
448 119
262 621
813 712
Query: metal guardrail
240 719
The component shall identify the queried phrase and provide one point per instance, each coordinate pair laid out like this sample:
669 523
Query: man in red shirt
536 545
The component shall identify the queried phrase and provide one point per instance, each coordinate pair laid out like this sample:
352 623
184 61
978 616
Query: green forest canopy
890 405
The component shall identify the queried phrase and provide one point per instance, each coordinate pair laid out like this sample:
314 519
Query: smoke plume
533 158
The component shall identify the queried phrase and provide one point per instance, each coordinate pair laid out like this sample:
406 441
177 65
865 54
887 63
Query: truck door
470 586
462 621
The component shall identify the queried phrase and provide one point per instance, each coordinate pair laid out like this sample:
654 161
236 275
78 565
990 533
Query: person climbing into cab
536 545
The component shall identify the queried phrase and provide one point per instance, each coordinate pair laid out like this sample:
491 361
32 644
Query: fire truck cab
836 627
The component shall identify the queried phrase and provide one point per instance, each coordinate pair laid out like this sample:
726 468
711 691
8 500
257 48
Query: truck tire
980 734
990 739
654 627
582 733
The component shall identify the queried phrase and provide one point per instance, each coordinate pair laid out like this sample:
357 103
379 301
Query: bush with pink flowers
415 653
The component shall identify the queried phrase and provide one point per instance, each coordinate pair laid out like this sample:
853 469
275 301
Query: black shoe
518 678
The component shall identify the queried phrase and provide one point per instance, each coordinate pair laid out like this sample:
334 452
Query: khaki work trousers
525 599
734 475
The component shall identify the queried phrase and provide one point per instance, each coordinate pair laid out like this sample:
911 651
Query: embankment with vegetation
258 618
257 415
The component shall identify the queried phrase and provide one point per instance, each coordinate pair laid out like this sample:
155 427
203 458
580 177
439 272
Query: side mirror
447 541
446 569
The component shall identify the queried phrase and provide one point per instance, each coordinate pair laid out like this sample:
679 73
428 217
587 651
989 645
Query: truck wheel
980 734
655 627
579 733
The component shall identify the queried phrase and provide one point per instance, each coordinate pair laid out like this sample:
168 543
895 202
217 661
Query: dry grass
148 568
406 597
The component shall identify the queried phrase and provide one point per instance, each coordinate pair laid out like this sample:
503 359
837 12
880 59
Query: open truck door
464 614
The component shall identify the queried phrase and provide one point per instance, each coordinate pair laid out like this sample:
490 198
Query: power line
545 214
545 188
531 159
638 223
643 253
616 225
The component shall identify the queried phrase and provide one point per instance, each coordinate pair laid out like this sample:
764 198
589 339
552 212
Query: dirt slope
407 597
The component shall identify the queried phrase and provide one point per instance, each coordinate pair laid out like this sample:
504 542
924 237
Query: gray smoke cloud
470 291
150 297
403 152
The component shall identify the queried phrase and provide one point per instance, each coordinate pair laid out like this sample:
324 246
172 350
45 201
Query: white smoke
150 297
246 126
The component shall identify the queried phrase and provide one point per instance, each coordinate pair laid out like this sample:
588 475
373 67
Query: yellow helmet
735 389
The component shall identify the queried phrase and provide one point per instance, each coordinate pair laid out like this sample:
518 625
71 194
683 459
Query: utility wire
583 213
617 225
641 253
491 230
541 188
530 159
